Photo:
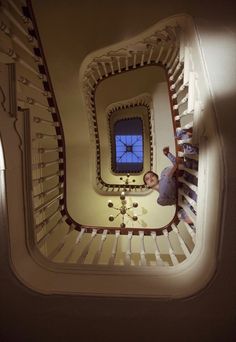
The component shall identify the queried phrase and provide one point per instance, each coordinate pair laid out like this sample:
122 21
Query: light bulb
110 204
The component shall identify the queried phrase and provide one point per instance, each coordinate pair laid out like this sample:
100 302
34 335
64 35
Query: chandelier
123 210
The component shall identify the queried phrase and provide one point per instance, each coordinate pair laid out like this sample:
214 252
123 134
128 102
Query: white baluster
191 171
190 185
99 252
93 77
126 63
186 65
114 248
142 58
89 84
188 211
168 54
111 65
128 251
181 241
160 52
142 249
134 61
62 243
150 55
118 63
29 84
98 70
184 113
181 88
191 91
171 251
27 66
104 68
82 257
180 77
15 22
191 232
172 68
188 199
37 119
183 101
173 57
159 261
77 241
43 239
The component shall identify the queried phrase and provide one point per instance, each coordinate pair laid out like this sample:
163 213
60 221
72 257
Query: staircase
54 239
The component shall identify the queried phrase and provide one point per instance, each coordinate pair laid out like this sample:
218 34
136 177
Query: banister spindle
85 252
58 186
111 66
48 204
118 63
191 232
173 57
99 251
190 185
181 241
159 261
126 63
174 65
160 52
49 218
17 24
114 248
76 243
98 70
134 60
49 233
26 82
61 243
39 120
48 178
128 250
171 251
142 249
142 58
188 211
167 54
150 54
188 199
104 68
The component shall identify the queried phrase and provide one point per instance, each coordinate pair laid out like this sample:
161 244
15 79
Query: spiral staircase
54 252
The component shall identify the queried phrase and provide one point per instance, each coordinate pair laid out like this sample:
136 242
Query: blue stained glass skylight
129 148
128 145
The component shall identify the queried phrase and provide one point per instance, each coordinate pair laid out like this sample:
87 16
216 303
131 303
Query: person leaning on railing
166 185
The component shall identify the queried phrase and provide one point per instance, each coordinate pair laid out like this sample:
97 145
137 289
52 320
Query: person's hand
166 150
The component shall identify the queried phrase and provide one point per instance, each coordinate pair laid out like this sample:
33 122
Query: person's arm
172 171
172 158
169 155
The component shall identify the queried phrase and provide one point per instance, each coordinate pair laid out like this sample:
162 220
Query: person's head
151 179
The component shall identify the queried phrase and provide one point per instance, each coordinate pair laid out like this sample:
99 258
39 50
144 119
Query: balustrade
37 93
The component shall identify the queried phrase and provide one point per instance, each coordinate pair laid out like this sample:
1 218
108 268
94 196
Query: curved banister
52 211
59 129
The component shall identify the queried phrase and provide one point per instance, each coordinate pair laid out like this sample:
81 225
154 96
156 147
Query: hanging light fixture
123 210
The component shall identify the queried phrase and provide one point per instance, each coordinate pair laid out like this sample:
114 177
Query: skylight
128 145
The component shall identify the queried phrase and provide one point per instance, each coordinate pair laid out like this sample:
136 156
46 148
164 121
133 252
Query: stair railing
54 229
